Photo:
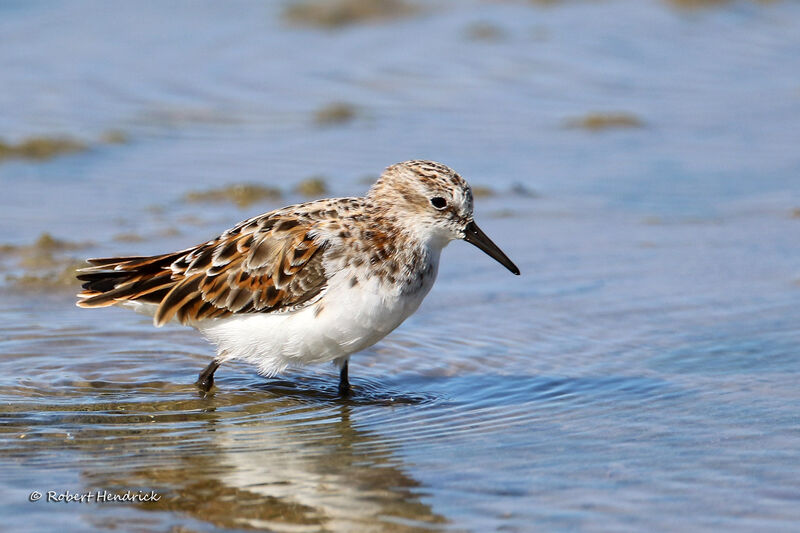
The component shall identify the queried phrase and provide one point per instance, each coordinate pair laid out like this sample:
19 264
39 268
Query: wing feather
269 264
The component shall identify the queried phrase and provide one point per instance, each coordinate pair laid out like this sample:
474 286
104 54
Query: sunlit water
642 373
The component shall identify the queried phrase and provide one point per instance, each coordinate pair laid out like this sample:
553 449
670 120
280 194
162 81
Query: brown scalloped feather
267 264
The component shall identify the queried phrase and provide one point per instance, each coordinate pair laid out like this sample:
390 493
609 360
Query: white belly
344 321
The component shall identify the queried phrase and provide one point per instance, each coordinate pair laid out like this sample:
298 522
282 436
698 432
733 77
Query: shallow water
640 375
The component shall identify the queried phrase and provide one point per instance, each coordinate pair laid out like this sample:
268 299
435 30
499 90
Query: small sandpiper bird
309 283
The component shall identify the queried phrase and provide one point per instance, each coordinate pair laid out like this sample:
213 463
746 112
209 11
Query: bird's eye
438 202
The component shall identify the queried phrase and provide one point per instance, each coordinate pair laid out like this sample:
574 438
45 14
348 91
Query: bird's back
269 263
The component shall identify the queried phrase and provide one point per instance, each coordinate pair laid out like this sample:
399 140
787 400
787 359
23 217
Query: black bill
474 235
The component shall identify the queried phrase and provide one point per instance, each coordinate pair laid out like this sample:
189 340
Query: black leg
206 379
344 382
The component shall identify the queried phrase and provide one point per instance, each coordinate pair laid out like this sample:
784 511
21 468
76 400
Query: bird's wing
267 264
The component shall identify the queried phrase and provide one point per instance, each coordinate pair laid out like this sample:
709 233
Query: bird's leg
344 382
206 379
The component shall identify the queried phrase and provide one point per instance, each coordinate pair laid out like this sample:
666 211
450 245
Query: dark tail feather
115 279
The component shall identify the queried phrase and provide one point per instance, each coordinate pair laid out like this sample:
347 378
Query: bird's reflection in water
285 464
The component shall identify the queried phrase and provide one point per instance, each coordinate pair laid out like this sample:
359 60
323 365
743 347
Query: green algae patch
335 113
46 242
169 232
193 220
313 187
115 137
503 213
45 148
61 275
330 14
240 194
44 252
518 189
484 31
128 237
178 117
41 148
43 264
480 191
605 121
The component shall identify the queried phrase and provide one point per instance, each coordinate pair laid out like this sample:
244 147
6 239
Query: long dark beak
474 235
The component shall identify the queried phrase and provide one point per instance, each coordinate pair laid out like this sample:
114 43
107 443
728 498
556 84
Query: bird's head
434 204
